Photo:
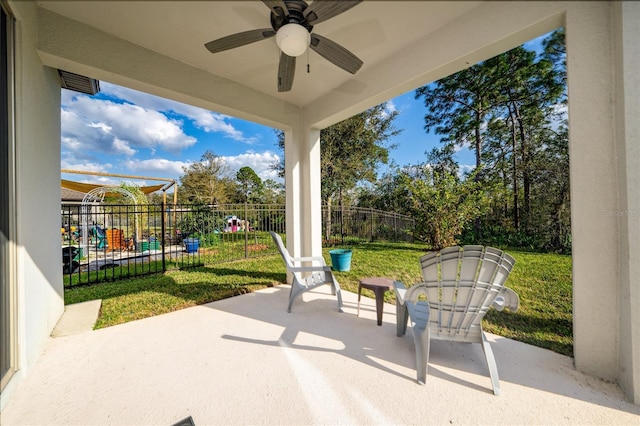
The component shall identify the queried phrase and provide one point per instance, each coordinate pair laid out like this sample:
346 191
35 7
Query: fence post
371 209
163 230
395 227
246 232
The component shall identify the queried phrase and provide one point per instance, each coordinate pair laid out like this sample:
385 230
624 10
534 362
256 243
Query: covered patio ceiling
403 44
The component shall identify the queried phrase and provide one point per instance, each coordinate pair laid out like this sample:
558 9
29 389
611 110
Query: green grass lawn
543 282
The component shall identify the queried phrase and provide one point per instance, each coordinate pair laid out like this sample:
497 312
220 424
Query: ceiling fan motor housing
295 15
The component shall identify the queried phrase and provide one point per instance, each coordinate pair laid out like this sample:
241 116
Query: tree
457 107
555 51
250 184
441 203
528 91
273 192
206 181
510 110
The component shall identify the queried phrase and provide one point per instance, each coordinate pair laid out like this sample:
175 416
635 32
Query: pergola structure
94 194
158 47
86 187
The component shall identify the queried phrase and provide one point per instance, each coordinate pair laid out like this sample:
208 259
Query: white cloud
259 162
390 108
158 167
108 127
102 180
206 120
85 167
464 169
121 147
105 136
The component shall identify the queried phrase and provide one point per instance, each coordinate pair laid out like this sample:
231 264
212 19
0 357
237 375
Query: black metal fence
354 224
107 242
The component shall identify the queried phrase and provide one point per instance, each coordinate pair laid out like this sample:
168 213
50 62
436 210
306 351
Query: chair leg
339 295
491 363
402 318
293 294
335 290
297 291
422 342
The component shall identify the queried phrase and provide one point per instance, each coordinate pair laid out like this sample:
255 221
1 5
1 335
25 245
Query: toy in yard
233 224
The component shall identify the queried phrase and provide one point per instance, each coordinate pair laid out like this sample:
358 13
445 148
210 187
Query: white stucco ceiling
403 44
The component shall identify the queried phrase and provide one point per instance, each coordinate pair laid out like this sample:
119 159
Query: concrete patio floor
244 360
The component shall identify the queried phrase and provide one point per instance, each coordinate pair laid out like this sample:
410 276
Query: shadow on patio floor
245 360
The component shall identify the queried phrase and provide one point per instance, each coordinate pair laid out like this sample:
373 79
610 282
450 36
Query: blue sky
123 131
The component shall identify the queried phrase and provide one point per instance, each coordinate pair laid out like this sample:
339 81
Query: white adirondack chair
308 273
459 286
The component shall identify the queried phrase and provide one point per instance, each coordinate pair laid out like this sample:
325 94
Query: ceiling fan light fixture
293 39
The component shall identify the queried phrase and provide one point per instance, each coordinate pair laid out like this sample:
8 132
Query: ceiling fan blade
277 6
239 39
321 10
286 72
335 53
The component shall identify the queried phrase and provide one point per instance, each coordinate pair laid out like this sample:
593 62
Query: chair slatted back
282 249
461 283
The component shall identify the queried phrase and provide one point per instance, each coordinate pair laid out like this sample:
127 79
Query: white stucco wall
39 279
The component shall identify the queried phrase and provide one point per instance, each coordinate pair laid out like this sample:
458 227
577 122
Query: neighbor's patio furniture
318 273
70 256
379 286
98 234
115 240
460 285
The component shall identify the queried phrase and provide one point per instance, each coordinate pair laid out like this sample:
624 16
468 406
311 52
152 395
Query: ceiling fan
292 23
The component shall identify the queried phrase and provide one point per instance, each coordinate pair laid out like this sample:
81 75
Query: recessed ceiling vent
79 83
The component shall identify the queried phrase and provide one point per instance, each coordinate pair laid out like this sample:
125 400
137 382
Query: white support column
627 127
594 189
292 187
604 105
302 183
312 199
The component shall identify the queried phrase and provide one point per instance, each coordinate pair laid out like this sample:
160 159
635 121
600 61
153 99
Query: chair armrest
319 268
411 294
400 291
507 299
309 259
414 292
402 314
